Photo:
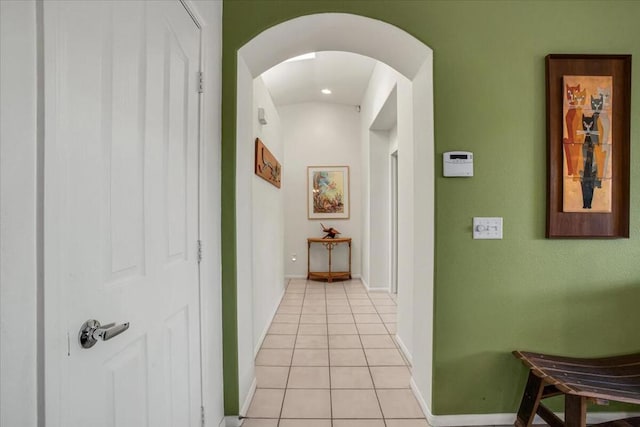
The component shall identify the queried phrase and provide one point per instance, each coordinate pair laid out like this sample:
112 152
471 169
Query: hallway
329 360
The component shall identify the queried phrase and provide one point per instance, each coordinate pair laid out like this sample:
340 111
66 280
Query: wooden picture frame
328 192
612 219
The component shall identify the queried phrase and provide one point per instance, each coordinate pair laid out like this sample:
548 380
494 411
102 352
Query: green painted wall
574 297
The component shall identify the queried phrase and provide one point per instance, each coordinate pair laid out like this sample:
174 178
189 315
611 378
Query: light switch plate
487 228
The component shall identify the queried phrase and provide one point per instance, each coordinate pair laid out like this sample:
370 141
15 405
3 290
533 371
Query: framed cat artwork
588 139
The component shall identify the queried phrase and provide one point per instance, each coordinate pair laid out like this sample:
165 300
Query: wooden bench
579 380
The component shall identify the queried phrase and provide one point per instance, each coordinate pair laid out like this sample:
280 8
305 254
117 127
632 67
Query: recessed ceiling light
326 91
310 55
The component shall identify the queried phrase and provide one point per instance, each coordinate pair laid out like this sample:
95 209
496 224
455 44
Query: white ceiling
345 74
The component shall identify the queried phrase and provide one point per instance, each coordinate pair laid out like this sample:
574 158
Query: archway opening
411 59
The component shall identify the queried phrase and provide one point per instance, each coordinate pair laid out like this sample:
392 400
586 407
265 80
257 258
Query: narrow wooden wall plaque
266 165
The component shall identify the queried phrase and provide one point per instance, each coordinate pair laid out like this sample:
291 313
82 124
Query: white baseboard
372 289
501 419
460 420
404 349
365 284
472 420
603 417
252 389
245 406
509 419
379 290
268 325
423 403
231 422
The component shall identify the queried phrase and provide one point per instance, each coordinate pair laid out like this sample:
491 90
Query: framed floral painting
328 192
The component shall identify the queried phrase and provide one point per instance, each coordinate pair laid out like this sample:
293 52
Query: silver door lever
91 331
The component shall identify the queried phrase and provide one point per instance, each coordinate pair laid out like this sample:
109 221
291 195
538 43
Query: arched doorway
413 60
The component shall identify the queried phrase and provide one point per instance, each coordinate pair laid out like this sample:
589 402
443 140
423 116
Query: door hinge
202 416
200 82
199 251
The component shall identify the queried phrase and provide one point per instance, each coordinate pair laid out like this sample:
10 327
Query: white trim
603 417
245 405
472 420
509 418
232 421
256 349
192 10
295 276
21 214
501 419
209 18
404 349
366 285
423 403
380 291
201 173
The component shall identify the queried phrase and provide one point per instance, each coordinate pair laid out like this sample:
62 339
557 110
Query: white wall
20 194
377 147
320 134
393 139
423 229
379 210
406 217
18 214
260 274
413 140
244 233
381 86
380 142
268 221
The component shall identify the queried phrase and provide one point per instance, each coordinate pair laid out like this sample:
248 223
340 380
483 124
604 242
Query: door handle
91 331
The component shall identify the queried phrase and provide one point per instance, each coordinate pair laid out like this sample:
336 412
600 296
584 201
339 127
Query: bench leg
530 401
575 411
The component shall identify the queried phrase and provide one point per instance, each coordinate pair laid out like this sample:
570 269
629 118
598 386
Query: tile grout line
375 307
366 359
286 384
407 364
326 315
395 343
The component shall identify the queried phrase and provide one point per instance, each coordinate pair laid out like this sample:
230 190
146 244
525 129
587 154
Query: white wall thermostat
457 163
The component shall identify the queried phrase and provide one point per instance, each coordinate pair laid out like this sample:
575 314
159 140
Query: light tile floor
329 360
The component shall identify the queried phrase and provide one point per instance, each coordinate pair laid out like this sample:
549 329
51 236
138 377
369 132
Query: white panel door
121 213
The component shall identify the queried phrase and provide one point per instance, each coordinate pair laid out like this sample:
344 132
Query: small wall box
457 163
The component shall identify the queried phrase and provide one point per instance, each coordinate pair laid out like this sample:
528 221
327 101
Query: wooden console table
329 245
